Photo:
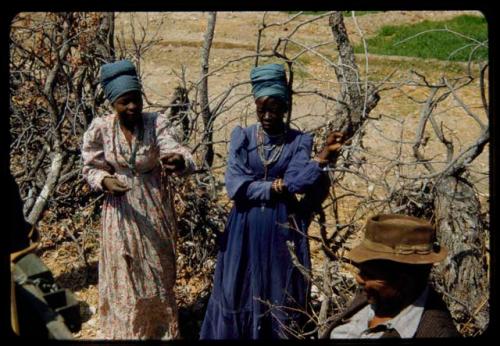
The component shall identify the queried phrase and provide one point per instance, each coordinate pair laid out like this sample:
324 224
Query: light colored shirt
405 323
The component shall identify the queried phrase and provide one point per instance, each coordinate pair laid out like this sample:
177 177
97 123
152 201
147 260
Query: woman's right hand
278 186
114 186
333 143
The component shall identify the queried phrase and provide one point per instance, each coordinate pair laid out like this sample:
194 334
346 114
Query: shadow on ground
79 278
191 317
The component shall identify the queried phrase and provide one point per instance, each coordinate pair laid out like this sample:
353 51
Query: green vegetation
346 13
418 41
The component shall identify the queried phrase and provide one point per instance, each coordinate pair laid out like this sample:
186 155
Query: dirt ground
180 36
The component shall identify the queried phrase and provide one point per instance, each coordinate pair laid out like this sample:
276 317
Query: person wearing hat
128 155
394 261
257 290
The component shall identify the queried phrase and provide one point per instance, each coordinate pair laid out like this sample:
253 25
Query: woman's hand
333 143
114 186
278 186
173 162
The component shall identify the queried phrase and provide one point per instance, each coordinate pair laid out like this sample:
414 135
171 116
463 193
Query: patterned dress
137 256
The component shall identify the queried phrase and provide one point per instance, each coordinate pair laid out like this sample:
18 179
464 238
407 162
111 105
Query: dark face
129 106
270 113
385 289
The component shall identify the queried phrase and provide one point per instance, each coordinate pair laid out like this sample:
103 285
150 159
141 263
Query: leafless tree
54 65
403 181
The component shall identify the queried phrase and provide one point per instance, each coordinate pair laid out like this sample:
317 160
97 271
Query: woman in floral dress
128 155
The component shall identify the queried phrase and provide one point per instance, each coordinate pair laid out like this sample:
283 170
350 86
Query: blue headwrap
269 80
118 78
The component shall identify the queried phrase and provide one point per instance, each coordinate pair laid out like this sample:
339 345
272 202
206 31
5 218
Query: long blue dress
254 263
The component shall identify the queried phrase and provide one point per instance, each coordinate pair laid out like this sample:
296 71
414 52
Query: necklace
274 150
136 141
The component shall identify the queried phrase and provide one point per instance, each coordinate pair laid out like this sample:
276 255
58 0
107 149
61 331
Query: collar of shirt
405 323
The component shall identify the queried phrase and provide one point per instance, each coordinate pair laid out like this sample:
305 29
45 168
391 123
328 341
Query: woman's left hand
333 142
173 162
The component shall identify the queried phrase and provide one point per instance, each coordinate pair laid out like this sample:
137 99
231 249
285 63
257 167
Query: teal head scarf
269 80
118 78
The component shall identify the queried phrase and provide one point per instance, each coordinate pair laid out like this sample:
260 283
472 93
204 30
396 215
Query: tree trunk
464 273
105 37
325 304
48 188
348 118
349 113
208 155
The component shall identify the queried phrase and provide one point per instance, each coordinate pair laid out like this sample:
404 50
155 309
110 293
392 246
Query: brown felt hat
398 238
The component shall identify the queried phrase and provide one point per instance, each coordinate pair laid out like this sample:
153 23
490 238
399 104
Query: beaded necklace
274 150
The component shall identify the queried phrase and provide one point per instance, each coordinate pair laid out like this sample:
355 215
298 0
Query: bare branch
205 110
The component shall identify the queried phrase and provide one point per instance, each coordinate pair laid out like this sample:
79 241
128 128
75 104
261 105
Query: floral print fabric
137 256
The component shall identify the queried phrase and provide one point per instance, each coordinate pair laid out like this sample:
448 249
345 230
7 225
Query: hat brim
361 254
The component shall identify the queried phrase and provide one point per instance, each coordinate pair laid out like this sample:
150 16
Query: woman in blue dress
258 292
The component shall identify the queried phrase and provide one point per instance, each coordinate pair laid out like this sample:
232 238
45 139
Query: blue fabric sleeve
302 172
313 199
259 190
240 180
